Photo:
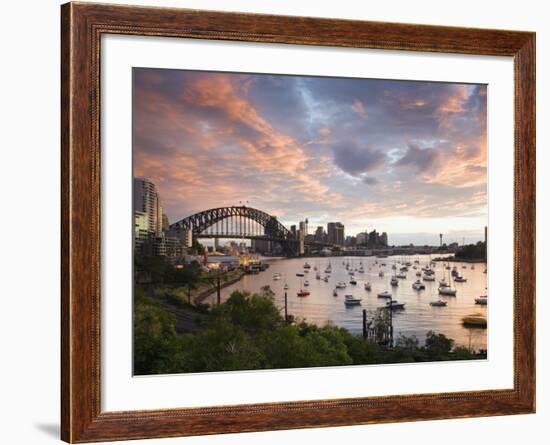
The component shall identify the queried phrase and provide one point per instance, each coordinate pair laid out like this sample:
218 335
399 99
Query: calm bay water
418 317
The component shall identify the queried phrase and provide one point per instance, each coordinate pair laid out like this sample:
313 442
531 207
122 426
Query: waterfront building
163 245
165 222
374 239
320 234
351 241
361 238
146 200
335 233
293 231
184 235
302 233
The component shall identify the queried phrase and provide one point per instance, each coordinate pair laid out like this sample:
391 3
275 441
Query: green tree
438 346
155 345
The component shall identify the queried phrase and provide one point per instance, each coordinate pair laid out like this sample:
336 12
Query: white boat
447 291
401 275
306 270
418 285
428 278
317 276
299 274
277 276
394 304
418 274
481 300
352 281
443 283
384 294
350 300
341 285
286 287
325 279
306 283
307 265
367 286
438 303
394 281
460 279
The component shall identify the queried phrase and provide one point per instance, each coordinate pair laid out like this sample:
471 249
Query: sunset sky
407 158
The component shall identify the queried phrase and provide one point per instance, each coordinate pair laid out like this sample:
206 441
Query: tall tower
440 239
146 200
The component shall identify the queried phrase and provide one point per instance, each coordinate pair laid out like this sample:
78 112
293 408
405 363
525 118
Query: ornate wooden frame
81 28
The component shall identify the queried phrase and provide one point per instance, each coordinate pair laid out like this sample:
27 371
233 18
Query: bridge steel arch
273 229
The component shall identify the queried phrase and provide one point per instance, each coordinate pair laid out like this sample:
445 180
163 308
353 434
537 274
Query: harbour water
417 318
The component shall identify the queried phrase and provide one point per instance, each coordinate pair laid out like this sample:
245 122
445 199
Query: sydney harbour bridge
240 222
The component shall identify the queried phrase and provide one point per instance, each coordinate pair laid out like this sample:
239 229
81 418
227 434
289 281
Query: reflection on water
417 318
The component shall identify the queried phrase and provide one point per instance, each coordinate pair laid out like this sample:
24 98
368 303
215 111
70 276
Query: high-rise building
374 239
362 238
320 234
293 231
146 200
165 222
384 239
351 241
302 233
141 229
335 233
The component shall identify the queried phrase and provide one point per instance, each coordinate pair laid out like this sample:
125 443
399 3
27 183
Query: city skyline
407 158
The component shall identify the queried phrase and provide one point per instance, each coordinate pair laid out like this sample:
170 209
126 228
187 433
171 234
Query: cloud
422 159
359 108
369 180
355 159
282 142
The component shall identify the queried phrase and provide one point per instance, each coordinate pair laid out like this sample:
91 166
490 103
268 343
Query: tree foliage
248 332
476 251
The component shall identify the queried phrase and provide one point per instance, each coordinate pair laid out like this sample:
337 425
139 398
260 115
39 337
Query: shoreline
206 293
461 260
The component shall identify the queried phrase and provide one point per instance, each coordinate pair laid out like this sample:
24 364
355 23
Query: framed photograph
275 222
